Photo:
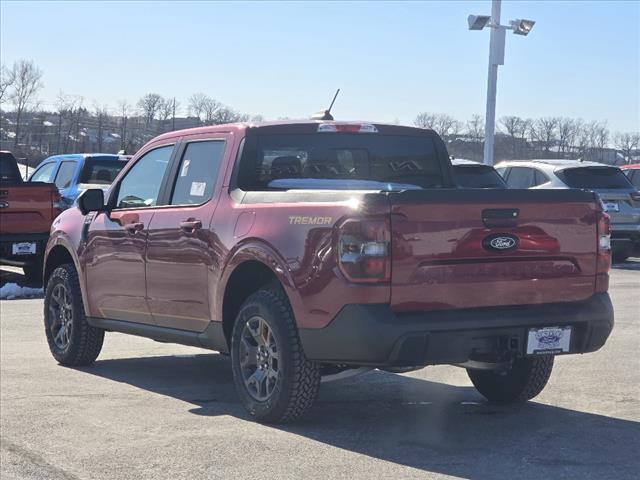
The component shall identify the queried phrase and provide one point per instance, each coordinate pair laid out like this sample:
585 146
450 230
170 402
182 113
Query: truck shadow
421 424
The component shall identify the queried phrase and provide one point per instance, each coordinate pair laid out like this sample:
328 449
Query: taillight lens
363 249
604 243
347 128
57 205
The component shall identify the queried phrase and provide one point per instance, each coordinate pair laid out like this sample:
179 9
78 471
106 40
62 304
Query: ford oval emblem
4 204
500 242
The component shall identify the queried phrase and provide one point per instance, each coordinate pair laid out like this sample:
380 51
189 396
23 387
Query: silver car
620 198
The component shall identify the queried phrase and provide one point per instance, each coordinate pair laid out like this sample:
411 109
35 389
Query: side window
141 185
44 173
539 177
65 174
520 177
503 171
197 173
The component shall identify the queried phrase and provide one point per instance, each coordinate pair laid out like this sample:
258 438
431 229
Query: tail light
603 263
57 205
363 249
347 128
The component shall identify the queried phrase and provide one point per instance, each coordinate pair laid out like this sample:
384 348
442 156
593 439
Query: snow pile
11 291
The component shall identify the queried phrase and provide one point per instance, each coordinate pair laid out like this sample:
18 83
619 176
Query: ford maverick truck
309 248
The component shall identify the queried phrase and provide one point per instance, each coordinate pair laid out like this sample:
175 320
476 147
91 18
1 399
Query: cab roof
291 126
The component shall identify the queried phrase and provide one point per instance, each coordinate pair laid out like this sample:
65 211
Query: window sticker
197 189
185 168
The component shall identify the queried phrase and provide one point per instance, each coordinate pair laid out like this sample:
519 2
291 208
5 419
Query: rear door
477 248
116 242
182 253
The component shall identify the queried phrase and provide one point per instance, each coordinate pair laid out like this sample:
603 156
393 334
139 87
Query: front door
182 251
117 241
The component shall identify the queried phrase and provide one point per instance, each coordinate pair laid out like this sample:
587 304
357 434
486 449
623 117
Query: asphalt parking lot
148 410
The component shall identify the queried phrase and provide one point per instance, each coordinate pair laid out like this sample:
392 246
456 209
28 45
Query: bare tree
7 80
543 130
123 108
101 114
512 126
567 130
445 125
425 120
26 84
211 107
149 106
627 143
475 127
196 104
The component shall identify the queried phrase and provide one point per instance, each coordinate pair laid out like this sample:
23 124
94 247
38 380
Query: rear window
100 172
595 177
478 176
339 161
9 171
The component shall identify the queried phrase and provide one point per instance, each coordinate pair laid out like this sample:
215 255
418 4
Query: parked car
633 173
306 247
621 199
471 174
26 213
74 173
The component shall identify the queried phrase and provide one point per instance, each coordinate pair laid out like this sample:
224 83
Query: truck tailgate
27 207
477 248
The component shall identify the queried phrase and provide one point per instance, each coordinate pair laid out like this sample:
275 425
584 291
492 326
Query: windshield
478 176
8 168
100 172
595 177
340 161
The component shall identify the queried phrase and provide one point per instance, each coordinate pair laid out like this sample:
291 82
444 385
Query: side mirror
91 200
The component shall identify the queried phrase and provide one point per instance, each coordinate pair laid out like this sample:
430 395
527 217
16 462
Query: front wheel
72 341
274 379
526 379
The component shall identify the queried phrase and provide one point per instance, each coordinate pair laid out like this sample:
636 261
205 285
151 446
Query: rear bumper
375 335
7 240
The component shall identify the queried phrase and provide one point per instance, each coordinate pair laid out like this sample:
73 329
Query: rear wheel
274 379
525 380
72 341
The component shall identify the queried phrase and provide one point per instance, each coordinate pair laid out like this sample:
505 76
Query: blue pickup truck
74 173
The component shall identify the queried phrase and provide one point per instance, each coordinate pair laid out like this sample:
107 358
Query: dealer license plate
549 340
24 248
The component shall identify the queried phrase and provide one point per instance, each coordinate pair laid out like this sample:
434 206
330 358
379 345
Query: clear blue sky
391 60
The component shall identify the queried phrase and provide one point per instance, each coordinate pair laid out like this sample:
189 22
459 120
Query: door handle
190 226
134 227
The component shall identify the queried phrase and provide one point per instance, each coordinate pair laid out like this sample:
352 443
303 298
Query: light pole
496 57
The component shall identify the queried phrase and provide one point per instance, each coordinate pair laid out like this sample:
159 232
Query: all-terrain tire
526 379
84 341
298 379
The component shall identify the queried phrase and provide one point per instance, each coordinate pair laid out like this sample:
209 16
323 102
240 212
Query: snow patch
11 291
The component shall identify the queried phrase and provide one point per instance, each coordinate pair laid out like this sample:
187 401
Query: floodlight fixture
478 22
522 26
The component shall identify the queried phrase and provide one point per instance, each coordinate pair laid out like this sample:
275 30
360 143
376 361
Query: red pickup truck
26 213
318 246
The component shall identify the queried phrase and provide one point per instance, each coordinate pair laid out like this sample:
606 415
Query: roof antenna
326 114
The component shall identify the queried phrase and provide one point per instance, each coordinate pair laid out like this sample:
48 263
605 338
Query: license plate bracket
23 248
549 340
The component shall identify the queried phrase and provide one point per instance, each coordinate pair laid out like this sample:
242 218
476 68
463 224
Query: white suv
620 198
